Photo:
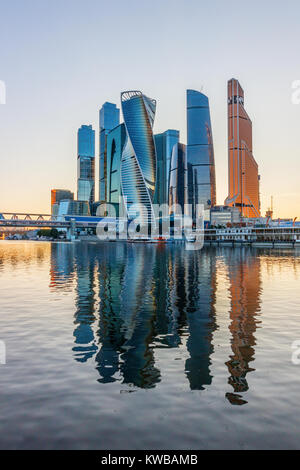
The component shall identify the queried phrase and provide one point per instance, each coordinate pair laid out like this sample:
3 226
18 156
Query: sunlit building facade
86 164
138 166
200 153
109 118
243 177
164 144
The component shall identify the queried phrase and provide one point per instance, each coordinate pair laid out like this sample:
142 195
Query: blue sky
61 60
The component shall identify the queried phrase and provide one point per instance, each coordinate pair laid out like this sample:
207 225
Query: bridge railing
26 216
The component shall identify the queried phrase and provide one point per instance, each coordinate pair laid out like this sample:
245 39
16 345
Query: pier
273 237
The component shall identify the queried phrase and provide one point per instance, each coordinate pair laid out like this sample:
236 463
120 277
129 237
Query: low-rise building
68 207
223 215
58 195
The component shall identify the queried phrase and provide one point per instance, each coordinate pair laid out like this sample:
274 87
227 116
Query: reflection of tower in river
201 282
85 305
62 269
126 317
170 316
68 263
110 332
192 289
245 290
149 297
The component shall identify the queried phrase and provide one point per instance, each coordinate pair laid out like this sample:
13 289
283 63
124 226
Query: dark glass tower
164 144
200 152
109 119
86 164
114 148
178 178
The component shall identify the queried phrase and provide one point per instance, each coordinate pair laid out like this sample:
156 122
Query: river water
140 346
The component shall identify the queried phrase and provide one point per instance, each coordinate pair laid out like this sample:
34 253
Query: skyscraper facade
164 144
138 166
86 164
200 153
243 178
115 144
178 179
109 118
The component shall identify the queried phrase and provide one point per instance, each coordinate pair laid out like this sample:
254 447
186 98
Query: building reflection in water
85 306
244 272
126 316
134 299
201 288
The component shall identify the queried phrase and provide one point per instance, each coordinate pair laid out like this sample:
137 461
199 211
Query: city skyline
45 108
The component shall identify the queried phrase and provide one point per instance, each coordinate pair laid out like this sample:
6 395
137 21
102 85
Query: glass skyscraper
243 178
178 179
109 119
164 144
86 164
115 144
138 167
200 153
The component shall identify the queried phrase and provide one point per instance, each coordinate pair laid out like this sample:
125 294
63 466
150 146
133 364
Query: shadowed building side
178 196
115 144
164 144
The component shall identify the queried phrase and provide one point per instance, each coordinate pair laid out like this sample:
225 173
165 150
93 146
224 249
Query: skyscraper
114 148
200 153
138 168
109 119
164 144
86 164
243 178
178 178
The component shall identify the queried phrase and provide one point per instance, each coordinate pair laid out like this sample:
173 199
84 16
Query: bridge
27 220
39 221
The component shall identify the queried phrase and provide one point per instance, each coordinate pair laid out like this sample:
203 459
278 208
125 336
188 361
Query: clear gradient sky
62 59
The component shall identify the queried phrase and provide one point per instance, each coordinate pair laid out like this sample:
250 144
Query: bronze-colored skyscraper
243 175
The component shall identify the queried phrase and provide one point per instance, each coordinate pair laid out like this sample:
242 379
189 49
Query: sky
62 59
